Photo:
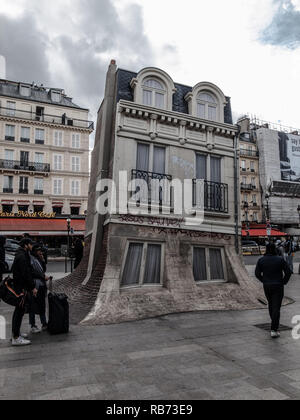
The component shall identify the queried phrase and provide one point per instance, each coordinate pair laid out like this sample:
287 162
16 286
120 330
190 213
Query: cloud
284 29
24 46
69 44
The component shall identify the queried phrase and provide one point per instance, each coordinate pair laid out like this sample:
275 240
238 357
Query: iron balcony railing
23 191
251 153
52 119
214 196
153 190
8 190
24 166
248 187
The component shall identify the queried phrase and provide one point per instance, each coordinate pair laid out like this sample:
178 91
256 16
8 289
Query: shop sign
28 215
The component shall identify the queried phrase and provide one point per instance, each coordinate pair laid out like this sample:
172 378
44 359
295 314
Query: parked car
11 246
249 243
9 260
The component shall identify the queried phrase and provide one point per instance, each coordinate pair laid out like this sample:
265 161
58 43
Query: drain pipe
236 191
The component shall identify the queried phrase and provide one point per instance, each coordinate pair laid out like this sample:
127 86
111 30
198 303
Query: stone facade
44 150
159 262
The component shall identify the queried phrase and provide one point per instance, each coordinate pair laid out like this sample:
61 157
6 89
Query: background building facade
44 151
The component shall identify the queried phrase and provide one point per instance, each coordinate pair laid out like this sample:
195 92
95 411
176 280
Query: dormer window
154 93
206 101
55 96
154 88
25 90
207 106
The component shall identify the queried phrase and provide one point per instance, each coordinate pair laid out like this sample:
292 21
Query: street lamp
68 250
246 209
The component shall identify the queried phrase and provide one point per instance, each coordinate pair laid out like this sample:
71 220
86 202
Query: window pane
212 113
9 155
159 160
216 264
153 265
25 132
159 100
142 163
147 97
153 84
215 166
131 274
201 110
207 98
200 273
201 167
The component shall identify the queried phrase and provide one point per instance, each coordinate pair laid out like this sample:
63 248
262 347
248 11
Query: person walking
23 282
273 271
38 271
78 252
2 256
289 253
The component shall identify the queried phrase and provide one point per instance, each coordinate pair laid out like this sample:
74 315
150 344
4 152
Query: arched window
207 106
154 93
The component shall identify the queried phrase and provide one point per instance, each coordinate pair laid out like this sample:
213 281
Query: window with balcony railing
214 196
155 189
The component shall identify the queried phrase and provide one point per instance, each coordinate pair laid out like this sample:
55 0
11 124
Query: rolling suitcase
58 313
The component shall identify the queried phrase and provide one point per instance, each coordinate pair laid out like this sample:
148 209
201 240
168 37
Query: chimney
2 67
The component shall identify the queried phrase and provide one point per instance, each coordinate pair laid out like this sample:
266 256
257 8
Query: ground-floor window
143 265
6 208
209 264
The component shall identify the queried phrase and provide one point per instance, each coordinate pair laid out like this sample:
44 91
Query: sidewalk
205 355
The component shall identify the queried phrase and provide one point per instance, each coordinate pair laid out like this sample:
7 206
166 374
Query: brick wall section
82 298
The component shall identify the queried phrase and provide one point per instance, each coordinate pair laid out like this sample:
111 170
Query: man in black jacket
23 282
274 273
2 256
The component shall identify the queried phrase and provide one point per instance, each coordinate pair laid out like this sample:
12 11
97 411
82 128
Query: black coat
273 270
2 260
22 271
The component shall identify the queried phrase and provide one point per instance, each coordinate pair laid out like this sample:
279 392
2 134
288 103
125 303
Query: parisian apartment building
250 188
44 151
156 262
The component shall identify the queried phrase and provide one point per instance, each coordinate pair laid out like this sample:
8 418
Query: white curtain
159 100
215 168
200 273
159 160
201 167
142 161
201 110
153 265
212 113
131 274
216 265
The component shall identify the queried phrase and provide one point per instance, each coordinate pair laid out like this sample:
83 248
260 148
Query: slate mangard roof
38 94
124 91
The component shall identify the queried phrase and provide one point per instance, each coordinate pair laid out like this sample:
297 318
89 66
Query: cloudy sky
250 48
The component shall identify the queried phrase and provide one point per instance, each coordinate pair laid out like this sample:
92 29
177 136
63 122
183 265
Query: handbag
9 295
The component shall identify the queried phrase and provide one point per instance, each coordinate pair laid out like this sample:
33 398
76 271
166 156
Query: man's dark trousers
274 295
17 320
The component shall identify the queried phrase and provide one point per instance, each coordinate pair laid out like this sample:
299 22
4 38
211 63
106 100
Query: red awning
46 227
262 233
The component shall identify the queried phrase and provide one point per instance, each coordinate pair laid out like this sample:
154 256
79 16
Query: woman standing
2 256
38 269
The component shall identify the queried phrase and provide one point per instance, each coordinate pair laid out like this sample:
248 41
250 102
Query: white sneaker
23 335
20 342
35 330
275 334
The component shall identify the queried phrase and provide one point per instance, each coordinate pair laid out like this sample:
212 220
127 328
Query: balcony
152 192
24 140
215 196
250 153
13 165
38 192
9 138
23 191
248 187
8 190
50 119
